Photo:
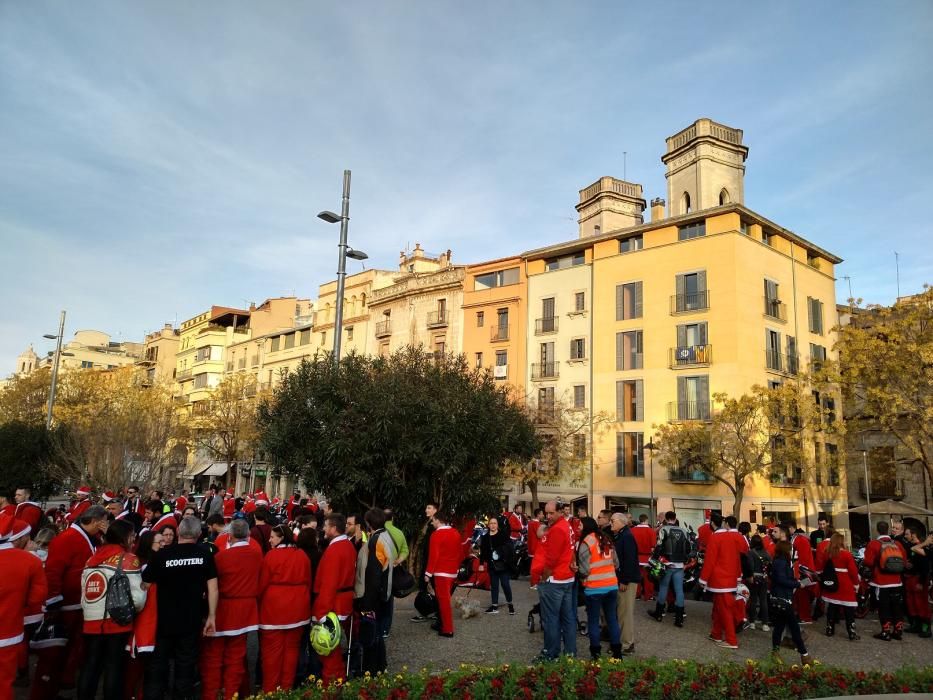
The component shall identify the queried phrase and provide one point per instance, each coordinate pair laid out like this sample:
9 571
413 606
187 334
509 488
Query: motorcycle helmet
425 604
325 635
741 591
655 569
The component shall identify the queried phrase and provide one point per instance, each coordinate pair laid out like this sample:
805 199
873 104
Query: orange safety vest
602 569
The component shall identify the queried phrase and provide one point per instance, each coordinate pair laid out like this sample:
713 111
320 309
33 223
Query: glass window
689 231
579 301
349 332
289 341
499 278
479 359
274 344
480 319
578 349
579 446
628 301
632 243
305 338
630 454
579 396
502 358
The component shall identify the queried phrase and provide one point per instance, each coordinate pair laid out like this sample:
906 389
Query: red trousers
279 657
724 617
803 603
57 666
223 665
647 585
442 589
738 611
9 660
915 596
333 667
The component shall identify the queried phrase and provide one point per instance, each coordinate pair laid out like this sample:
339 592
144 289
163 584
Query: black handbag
119 602
403 583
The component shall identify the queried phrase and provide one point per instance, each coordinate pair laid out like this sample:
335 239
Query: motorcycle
863 596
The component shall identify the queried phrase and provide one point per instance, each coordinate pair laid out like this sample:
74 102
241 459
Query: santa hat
275 501
12 529
167 520
107 496
261 498
84 491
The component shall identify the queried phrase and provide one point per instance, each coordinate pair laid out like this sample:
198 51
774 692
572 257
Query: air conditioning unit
500 371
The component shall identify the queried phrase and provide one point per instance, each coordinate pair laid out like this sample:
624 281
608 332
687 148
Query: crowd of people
143 595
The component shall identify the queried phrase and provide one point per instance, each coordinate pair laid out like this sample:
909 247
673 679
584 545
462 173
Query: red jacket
229 507
77 509
29 512
846 573
223 540
98 572
557 549
879 578
646 539
143 638
334 579
239 570
516 525
704 532
286 596
768 545
533 542
290 508
722 566
22 588
180 504
802 555
68 553
444 553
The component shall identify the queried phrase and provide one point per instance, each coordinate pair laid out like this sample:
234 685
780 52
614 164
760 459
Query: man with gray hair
629 575
187 578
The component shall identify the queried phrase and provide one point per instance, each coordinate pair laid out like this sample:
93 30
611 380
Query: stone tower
609 205
27 362
705 167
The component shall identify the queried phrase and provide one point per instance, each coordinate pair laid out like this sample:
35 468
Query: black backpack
677 545
828 579
119 602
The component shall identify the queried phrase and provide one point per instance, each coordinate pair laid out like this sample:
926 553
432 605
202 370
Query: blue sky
162 156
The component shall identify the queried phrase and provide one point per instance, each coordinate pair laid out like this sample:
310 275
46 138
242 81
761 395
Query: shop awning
696 504
215 469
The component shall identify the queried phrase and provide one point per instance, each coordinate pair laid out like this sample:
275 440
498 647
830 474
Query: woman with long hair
284 608
497 554
597 563
142 641
847 585
780 605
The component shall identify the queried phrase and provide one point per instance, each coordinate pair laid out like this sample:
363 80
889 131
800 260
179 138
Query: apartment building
157 363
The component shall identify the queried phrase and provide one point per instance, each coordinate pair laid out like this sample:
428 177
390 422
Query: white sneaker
765 627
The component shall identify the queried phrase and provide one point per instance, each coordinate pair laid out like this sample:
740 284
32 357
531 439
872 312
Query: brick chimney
657 209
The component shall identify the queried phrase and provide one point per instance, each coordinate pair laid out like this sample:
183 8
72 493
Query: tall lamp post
651 447
58 354
867 488
344 252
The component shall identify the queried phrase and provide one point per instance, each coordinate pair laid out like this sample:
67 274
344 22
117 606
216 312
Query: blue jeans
677 576
605 602
558 618
495 579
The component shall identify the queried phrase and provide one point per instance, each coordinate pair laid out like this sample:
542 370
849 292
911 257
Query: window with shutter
628 301
579 396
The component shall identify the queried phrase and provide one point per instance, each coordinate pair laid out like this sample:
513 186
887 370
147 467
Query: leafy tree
401 430
32 456
225 425
566 434
759 434
886 373
25 397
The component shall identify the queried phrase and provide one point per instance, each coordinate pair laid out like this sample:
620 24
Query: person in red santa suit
293 503
27 510
23 588
229 506
81 504
333 588
239 579
802 554
284 608
517 522
7 506
441 570
844 597
64 566
181 502
646 539
704 531
142 640
722 568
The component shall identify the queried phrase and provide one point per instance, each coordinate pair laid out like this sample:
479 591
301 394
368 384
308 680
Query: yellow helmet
325 635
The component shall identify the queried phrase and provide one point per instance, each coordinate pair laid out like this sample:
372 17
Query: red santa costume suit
284 610
35 612
443 562
68 553
516 525
22 588
802 555
8 511
722 569
142 641
882 580
30 513
229 508
846 573
646 539
704 532
290 507
333 590
180 504
223 654
81 505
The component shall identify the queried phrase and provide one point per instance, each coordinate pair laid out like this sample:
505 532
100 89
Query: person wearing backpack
111 595
674 549
887 560
760 560
839 582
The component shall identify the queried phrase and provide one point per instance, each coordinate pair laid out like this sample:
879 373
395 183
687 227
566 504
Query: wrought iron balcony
544 370
384 328
685 303
687 475
548 324
437 319
688 410
882 489
787 481
775 308
691 355
498 333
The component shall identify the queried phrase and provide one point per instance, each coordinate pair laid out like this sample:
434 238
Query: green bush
571 678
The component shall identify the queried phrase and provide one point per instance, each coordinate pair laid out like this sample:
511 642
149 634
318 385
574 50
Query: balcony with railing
241 363
254 361
775 308
691 356
688 410
689 475
498 333
384 329
687 303
783 480
545 325
544 370
779 362
883 489
436 319
183 375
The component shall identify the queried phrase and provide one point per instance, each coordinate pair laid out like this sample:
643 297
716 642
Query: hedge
657 680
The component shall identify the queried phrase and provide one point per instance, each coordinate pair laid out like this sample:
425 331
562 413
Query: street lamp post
867 490
344 252
651 447
58 354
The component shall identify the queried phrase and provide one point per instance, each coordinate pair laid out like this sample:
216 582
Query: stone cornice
418 284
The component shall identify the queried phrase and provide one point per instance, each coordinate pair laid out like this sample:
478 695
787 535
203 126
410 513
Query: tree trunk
533 487
737 506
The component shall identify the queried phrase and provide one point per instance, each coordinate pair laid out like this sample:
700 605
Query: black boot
658 613
850 630
595 652
616 651
678 617
925 632
830 628
914 626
